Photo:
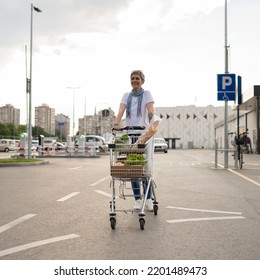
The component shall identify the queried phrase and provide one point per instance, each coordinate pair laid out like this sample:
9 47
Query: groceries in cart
122 142
128 164
148 132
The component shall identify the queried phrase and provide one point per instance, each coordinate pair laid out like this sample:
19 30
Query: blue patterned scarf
138 94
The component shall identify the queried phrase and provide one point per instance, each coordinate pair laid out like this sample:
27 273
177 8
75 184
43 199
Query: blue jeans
137 191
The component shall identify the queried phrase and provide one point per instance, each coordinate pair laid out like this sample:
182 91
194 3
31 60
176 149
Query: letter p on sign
226 82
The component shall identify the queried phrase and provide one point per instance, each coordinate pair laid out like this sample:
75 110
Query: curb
23 164
67 156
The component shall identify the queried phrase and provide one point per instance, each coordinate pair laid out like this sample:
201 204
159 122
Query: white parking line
16 222
245 177
104 193
204 210
99 181
37 244
68 196
74 168
204 219
242 176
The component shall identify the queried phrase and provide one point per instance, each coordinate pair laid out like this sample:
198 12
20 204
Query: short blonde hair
139 73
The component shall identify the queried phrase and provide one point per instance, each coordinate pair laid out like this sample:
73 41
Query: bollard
71 149
21 152
216 154
34 152
236 157
92 150
53 150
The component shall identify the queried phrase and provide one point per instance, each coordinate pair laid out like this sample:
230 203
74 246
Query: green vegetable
124 139
135 159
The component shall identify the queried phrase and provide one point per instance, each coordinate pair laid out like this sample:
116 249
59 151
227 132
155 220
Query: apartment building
45 118
9 114
98 124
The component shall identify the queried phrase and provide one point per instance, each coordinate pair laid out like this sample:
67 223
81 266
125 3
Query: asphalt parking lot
61 211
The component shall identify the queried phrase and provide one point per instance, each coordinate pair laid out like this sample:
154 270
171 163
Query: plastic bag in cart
150 131
122 141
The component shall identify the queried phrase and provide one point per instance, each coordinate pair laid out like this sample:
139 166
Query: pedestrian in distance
138 104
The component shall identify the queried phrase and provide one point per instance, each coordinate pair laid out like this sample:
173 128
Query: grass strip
18 160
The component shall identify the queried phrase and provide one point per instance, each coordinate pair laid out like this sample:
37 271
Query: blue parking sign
226 87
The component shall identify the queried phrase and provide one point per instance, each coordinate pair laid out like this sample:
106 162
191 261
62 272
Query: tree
8 130
36 131
4 131
20 129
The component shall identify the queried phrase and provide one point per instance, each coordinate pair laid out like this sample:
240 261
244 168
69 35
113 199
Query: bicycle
239 145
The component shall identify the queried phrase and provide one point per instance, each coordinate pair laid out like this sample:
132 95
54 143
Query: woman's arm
120 114
150 109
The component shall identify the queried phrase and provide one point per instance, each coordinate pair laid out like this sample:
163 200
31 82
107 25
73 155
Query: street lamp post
74 89
30 83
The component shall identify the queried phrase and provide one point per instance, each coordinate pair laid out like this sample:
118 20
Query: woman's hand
116 126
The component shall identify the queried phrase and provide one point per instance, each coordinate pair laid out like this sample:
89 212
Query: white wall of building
247 122
195 126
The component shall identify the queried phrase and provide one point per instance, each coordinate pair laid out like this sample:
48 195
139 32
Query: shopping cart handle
117 129
128 128
111 146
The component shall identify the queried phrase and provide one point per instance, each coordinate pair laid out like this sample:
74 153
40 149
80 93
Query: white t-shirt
143 119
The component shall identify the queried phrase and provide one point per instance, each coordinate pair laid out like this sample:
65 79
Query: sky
94 45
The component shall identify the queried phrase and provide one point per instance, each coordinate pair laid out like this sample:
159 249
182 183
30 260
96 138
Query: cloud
95 44
58 18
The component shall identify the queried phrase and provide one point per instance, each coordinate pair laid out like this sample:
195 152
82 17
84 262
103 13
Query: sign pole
226 101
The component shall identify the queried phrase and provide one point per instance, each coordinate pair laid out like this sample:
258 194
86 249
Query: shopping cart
131 162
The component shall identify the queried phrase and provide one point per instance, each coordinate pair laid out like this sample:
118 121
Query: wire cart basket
131 162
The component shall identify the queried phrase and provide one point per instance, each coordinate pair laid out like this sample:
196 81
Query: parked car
98 141
17 143
35 144
7 145
49 144
60 146
160 145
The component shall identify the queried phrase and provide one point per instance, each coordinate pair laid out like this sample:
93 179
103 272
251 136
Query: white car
98 141
7 145
160 145
60 146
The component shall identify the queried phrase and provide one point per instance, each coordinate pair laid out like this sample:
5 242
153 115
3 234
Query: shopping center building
243 118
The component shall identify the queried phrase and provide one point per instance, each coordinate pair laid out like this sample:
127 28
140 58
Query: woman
139 107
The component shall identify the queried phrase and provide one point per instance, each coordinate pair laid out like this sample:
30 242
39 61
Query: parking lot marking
99 181
242 176
16 222
204 219
245 177
37 244
104 193
204 210
74 168
68 196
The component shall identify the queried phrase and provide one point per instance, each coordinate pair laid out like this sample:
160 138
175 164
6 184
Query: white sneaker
138 205
149 204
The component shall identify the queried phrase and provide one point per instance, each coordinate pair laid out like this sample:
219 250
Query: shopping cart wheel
142 222
155 209
113 223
